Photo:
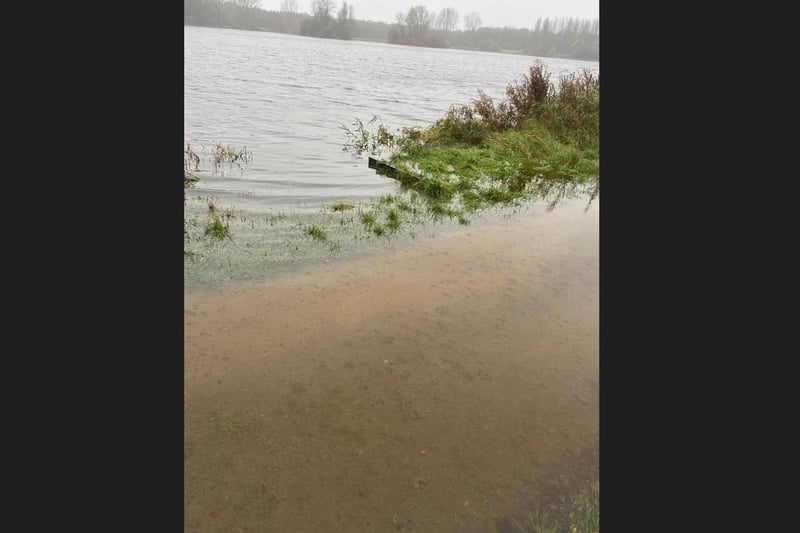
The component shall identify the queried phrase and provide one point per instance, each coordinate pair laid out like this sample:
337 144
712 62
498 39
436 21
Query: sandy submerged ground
440 388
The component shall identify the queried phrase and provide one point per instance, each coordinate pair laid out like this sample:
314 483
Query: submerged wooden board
385 169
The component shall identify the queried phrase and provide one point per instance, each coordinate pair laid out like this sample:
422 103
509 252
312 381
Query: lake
285 97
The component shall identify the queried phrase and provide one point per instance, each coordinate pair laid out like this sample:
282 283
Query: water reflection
555 190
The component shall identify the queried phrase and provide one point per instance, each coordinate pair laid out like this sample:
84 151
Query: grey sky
514 13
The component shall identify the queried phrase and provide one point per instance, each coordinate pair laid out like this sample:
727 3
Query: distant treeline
569 38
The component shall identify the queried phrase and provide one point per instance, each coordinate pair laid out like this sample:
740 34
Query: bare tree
244 9
418 20
347 13
345 21
289 6
447 19
322 9
341 16
472 21
218 5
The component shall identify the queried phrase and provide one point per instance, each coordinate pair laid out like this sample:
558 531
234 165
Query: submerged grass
316 232
216 226
227 423
368 219
341 206
579 514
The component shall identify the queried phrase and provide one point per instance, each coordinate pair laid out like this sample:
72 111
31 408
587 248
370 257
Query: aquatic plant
216 225
222 154
316 232
580 513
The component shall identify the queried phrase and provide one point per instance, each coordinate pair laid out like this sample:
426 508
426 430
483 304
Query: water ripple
286 96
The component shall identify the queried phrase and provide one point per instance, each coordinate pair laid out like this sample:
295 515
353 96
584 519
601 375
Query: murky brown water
438 389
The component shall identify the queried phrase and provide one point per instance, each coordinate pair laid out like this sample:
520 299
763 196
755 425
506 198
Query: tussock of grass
217 225
393 220
342 206
215 228
368 219
316 233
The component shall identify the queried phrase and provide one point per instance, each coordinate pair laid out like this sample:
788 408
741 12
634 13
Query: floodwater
440 383
441 387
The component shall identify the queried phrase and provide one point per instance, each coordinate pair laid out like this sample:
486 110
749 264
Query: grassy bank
540 143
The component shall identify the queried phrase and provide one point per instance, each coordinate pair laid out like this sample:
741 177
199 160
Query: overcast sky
514 13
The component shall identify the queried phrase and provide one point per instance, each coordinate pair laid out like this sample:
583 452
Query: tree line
570 38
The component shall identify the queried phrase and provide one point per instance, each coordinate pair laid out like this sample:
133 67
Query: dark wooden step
385 169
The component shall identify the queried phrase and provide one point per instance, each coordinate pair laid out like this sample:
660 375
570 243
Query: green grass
216 226
581 514
368 219
316 233
541 142
393 220
536 522
228 424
